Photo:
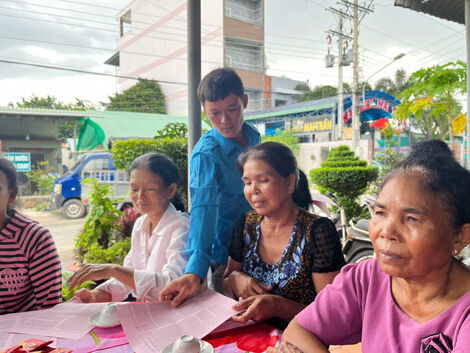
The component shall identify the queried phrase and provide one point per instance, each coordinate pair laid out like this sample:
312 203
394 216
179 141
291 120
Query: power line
83 71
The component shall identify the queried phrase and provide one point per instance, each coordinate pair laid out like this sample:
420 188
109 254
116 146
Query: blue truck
69 192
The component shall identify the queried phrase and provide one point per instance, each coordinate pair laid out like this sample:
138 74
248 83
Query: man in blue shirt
216 188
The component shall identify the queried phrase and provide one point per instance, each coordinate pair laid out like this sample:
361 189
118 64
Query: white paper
150 327
66 320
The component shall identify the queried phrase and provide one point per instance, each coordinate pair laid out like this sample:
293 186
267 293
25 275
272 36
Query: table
227 338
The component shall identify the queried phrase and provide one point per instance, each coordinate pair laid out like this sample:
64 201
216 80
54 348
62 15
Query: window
125 23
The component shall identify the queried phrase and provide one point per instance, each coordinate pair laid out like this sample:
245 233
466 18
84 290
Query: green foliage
49 102
285 137
146 96
393 86
388 161
41 177
100 223
176 148
68 294
114 254
346 176
173 130
431 94
318 92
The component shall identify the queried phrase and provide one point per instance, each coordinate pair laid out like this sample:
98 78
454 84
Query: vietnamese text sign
21 160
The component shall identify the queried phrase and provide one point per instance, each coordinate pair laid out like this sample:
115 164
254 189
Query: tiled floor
346 349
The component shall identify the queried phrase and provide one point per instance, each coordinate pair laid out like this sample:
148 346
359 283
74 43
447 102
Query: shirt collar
229 145
146 220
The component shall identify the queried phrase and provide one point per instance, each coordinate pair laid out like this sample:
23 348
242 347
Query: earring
455 252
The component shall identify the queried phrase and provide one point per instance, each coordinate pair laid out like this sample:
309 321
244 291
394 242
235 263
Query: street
62 229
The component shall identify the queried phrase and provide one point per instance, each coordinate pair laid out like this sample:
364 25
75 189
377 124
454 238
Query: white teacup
109 313
186 344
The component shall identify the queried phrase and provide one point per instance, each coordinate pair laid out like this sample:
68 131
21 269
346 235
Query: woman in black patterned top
281 256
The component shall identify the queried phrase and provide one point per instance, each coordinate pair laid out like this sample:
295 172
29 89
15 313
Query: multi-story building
153 45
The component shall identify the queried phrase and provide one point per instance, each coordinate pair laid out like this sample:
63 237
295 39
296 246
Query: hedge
125 151
345 175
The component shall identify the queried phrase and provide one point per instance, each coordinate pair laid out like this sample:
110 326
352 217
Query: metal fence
41 166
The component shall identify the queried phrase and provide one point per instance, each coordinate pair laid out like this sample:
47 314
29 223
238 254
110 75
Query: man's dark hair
218 84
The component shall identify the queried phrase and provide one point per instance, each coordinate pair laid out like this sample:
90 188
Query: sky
82 34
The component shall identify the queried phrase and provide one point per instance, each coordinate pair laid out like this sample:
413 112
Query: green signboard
21 160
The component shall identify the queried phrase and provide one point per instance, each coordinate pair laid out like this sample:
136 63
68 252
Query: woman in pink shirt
415 296
30 271
159 238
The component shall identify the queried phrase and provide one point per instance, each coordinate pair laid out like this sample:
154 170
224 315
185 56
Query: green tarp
96 131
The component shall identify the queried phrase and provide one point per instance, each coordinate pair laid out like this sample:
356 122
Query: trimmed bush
346 176
125 151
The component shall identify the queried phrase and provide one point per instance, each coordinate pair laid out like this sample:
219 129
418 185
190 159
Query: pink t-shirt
358 306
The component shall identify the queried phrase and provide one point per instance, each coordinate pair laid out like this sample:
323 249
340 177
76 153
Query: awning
452 10
97 131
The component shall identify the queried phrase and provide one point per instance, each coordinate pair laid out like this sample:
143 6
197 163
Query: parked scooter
358 245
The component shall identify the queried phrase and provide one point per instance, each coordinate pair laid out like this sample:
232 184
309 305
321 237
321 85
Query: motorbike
358 246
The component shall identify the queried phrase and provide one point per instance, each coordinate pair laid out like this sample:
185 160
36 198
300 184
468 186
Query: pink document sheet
150 327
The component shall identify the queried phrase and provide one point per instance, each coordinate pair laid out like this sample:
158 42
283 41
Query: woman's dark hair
165 168
441 174
10 172
218 84
281 158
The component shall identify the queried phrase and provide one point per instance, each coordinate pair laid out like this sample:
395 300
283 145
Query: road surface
63 230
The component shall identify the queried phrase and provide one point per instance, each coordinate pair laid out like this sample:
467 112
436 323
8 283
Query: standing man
216 186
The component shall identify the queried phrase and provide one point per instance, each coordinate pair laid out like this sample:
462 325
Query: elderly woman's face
411 231
266 190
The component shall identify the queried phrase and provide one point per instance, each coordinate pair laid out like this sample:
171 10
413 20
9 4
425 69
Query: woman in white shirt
159 238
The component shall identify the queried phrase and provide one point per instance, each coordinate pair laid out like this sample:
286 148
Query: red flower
381 123
256 342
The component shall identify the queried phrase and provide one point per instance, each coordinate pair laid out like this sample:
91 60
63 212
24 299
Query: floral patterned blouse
314 246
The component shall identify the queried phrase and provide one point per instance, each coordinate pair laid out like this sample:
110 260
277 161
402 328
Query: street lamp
398 57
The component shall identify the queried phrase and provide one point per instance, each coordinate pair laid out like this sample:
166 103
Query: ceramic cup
186 344
109 313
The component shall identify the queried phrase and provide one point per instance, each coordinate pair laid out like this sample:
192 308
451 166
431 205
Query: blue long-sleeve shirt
217 199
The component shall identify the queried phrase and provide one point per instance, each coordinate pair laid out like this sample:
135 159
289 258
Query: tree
432 92
146 97
65 129
285 137
345 175
393 87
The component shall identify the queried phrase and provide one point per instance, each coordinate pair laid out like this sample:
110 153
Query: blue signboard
21 160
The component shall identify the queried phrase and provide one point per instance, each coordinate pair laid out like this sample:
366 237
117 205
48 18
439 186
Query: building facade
153 45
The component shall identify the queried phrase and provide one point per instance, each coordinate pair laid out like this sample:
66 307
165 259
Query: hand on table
284 347
245 286
90 273
257 308
180 289
92 296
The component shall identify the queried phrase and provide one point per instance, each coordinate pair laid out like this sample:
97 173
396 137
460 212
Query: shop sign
21 160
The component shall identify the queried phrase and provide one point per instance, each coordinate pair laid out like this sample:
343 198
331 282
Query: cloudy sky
82 34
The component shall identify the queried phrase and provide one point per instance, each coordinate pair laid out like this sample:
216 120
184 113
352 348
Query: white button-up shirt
157 259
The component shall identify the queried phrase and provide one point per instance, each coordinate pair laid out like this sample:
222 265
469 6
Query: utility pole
355 105
340 79
341 37
355 98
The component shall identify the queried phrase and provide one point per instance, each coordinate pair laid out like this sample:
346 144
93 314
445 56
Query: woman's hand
92 296
244 286
90 273
284 347
257 308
